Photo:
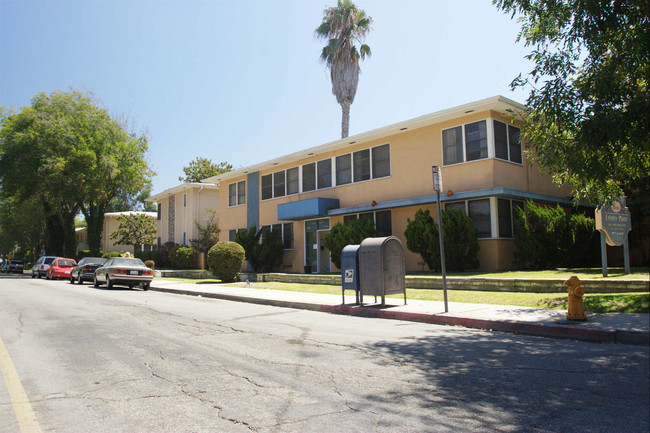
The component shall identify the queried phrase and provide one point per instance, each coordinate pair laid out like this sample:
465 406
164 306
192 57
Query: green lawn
597 303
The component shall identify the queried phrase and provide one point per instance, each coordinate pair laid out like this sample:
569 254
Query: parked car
3 265
85 269
42 265
123 271
16 266
60 268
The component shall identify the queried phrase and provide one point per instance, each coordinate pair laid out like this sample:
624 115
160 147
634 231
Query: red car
60 268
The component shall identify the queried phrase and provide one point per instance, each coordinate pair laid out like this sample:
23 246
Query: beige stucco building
112 223
179 207
385 174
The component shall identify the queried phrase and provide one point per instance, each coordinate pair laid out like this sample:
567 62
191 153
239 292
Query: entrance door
324 256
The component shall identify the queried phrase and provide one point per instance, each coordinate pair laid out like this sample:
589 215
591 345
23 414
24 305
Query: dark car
85 269
16 266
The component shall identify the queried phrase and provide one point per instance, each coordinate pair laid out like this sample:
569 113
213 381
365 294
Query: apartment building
385 175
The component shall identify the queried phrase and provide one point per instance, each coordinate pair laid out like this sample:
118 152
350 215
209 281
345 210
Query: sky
241 81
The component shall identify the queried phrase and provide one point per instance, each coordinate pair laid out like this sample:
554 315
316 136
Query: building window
452 145
278 184
381 219
479 212
284 231
184 238
324 173
507 210
309 177
343 169
237 193
231 235
267 187
159 242
381 161
293 178
361 165
184 200
159 210
476 142
506 142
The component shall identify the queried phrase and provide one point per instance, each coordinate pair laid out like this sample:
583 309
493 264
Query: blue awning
306 209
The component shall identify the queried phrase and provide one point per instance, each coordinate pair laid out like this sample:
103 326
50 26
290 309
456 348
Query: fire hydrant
576 310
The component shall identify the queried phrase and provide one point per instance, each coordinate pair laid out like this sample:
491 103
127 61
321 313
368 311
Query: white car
123 271
42 265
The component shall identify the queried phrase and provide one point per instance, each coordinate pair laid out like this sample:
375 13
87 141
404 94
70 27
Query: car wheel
95 282
80 280
33 276
71 279
109 283
145 286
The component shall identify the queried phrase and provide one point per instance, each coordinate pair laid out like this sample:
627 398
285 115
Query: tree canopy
344 26
203 168
588 122
135 229
69 153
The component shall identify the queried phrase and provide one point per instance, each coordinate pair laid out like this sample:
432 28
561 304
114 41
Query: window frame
514 151
240 185
283 228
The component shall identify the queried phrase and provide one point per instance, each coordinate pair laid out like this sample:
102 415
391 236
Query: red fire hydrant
576 310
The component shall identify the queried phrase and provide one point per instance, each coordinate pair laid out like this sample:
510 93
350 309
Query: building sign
614 221
437 178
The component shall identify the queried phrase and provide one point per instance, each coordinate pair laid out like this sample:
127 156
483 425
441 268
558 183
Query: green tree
78 159
343 27
208 233
135 229
203 168
588 120
422 238
352 234
22 224
264 250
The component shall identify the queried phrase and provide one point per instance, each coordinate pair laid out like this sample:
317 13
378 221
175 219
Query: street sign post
614 223
437 186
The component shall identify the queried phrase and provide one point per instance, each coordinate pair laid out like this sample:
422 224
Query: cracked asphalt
95 360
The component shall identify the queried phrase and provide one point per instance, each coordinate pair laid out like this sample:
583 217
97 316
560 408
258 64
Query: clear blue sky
241 81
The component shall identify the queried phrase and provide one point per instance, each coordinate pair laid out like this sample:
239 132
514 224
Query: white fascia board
180 188
497 103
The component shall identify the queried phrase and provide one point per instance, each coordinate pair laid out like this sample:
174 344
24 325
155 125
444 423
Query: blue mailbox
350 270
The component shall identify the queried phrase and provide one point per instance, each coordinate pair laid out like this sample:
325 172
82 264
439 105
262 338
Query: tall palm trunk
345 120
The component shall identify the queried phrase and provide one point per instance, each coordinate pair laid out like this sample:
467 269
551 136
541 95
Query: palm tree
342 27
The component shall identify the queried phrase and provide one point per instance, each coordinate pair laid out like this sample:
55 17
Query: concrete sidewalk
605 328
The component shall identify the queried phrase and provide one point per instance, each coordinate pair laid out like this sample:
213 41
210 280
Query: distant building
111 224
180 207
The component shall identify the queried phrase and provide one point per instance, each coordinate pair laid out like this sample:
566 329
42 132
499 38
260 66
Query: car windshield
49 260
127 262
17 262
66 262
94 261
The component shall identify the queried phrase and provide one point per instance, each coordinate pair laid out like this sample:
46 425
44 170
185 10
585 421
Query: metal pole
442 253
603 252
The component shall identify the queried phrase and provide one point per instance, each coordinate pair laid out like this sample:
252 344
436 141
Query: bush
225 260
161 255
461 240
182 257
111 255
352 234
83 253
263 256
150 264
547 237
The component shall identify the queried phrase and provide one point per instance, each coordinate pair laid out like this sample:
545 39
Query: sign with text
614 221
437 178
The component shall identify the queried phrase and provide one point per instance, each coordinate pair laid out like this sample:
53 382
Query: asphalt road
95 360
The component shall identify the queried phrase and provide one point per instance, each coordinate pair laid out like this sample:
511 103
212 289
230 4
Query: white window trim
237 194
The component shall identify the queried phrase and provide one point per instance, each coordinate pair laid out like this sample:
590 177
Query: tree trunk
345 121
94 215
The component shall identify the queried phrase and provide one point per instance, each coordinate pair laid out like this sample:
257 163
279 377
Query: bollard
576 310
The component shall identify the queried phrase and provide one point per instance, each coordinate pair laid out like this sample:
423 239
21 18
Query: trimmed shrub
150 264
111 255
352 234
461 240
263 256
182 257
225 260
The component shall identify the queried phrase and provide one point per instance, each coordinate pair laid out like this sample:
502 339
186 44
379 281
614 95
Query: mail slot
381 264
350 270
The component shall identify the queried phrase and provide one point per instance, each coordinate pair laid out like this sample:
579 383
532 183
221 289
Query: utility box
350 270
381 264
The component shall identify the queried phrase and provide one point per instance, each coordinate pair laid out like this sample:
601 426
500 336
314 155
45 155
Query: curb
594 335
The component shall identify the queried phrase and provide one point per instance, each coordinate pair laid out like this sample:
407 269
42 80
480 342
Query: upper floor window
475 141
506 142
237 193
309 177
159 210
343 169
184 200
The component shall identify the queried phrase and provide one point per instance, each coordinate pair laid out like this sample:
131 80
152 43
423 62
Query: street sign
437 178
